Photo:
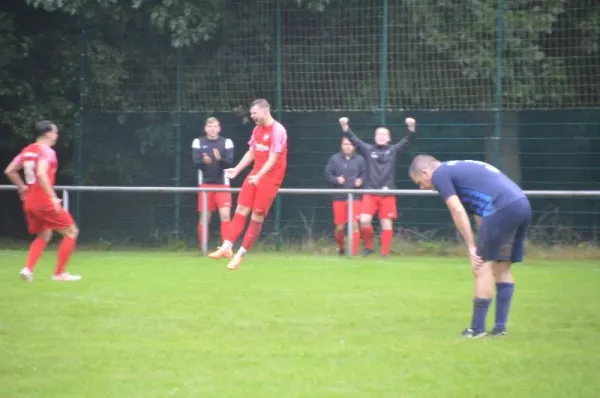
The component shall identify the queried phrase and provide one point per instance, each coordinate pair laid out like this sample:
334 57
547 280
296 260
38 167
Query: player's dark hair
44 126
262 103
420 163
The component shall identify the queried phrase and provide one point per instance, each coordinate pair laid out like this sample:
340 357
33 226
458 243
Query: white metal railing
65 189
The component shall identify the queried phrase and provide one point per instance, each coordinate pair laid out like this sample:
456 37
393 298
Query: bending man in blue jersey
503 214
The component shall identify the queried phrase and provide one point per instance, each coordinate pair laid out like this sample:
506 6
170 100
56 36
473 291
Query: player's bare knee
71 232
365 220
225 214
339 227
258 216
355 225
503 271
387 224
243 210
484 280
46 235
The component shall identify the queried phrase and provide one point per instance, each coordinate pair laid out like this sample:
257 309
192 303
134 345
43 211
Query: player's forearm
46 186
245 161
197 157
268 165
461 220
227 161
15 178
357 142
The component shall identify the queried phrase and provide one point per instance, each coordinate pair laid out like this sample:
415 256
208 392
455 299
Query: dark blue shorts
501 235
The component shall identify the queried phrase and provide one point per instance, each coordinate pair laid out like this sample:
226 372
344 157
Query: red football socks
225 225
355 242
386 241
35 251
65 249
236 228
340 238
367 234
252 234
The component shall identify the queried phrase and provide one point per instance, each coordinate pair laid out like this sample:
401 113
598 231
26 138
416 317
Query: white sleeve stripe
196 144
228 144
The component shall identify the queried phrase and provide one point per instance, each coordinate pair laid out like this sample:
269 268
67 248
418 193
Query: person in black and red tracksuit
346 169
381 174
212 154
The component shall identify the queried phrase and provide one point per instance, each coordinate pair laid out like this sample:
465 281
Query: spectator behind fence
346 169
380 159
212 154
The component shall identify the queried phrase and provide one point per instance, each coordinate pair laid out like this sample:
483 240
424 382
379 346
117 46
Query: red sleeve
18 160
252 142
279 139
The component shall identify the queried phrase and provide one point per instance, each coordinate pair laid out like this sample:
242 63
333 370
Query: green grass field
176 325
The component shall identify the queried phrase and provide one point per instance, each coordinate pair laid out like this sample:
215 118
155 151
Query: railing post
65 199
350 225
204 222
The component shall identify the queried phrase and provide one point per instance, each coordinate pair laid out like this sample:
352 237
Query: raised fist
344 123
411 124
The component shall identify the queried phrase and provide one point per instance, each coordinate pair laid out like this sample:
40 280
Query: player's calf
387 234
340 236
505 288
250 238
225 217
366 231
484 291
36 249
65 250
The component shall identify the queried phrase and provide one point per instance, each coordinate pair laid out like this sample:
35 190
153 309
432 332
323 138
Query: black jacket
212 173
380 160
350 168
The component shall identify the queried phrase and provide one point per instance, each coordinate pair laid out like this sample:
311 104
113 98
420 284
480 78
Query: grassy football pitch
176 325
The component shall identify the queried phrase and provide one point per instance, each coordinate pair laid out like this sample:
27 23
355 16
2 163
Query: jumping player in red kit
42 208
268 151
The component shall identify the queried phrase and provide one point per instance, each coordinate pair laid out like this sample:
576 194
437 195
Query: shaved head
261 103
421 163
260 112
421 170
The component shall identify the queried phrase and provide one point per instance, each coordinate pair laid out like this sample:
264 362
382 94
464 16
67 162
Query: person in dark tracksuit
346 169
212 154
380 159
503 214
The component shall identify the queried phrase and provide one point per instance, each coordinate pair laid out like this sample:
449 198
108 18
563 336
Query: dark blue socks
504 293
480 310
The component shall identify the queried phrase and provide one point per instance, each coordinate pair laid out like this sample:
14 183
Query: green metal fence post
498 101
177 125
279 110
383 60
80 118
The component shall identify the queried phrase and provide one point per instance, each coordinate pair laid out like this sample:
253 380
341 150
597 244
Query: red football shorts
340 211
260 197
214 200
384 206
43 219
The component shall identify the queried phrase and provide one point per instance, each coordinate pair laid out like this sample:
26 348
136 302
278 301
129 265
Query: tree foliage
441 55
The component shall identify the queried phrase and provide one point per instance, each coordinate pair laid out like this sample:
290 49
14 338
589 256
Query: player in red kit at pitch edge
268 151
43 211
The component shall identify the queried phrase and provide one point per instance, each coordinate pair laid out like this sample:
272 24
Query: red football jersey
30 156
267 139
